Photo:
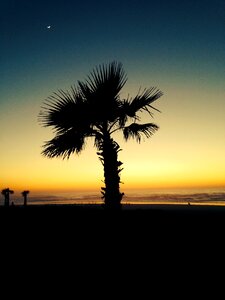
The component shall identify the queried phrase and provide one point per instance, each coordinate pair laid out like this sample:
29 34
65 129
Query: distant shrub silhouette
24 194
6 193
94 109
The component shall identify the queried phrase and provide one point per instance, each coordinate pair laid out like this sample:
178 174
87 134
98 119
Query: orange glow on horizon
55 186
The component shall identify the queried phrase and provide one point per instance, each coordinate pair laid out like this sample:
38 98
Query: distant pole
7 198
25 193
6 193
25 200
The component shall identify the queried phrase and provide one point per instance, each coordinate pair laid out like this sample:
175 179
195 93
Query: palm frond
102 88
143 101
63 145
106 79
24 193
98 140
125 112
7 191
136 131
65 110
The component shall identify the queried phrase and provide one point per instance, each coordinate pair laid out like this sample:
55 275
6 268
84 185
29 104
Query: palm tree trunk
7 199
6 193
109 157
25 200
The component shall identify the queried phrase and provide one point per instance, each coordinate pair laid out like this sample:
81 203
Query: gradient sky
177 46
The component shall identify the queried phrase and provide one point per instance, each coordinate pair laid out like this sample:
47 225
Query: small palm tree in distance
94 109
24 194
6 193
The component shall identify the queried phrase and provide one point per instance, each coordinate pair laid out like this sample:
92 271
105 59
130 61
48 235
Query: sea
202 196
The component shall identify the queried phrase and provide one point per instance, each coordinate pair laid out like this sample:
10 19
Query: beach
148 213
135 230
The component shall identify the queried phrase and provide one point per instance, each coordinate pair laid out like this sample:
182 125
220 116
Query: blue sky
163 35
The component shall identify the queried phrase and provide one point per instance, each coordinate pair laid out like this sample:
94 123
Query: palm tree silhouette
6 192
24 194
94 109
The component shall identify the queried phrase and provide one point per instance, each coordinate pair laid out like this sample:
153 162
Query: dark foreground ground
175 240
136 216
163 227
127 209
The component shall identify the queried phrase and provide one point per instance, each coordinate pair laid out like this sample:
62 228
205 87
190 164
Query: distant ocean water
142 196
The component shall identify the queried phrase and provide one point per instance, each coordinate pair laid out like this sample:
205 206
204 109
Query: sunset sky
176 46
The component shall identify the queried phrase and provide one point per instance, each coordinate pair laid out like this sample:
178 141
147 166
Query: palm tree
94 109
6 192
24 194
